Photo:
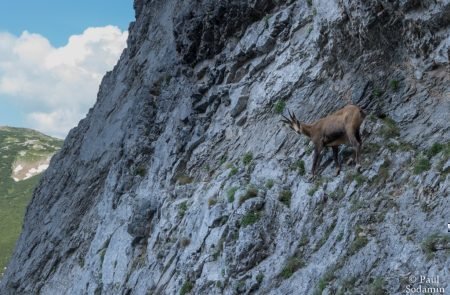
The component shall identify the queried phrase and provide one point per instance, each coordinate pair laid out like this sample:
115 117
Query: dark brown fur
340 127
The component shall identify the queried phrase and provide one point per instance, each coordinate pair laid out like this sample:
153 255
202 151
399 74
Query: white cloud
57 86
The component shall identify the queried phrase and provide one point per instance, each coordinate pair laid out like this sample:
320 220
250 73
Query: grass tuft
251 192
435 149
230 194
182 208
247 158
186 288
250 218
358 243
434 243
285 197
299 166
394 84
269 183
260 277
389 128
212 202
421 164
292 265
184 179
279 106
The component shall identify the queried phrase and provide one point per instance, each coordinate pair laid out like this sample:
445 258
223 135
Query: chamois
340 127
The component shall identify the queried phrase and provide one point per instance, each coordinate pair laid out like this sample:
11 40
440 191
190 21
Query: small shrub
266 21
359 242
233 169
309 2
182 208
259 277
313 190
394 84
434 243
377 92
141 171
447 149
377 287
371 148
230 194
292 265
421 164
250 218
389 128
360 179
212 202
326 235
102 255
337 194
186 288
383 172
269 183
184 179
216 255
279 106
223 159
251 192
240 287
247 158
285 197
299 166
356 205
405 146
340 236
304 241
435 149
185 242
323 282
347 285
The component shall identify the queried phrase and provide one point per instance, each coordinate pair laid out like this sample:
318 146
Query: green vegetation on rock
25 147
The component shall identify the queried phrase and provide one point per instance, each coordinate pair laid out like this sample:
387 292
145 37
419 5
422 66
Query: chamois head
293 123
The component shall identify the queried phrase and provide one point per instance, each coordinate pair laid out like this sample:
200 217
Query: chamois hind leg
336 159
358 138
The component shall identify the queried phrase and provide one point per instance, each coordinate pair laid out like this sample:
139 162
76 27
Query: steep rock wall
182 177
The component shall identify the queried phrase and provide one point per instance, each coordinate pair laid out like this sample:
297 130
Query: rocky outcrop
181 178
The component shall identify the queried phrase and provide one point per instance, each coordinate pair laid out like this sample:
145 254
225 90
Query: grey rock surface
151 193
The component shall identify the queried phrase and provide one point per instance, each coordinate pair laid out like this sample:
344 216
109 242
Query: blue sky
59 19
41 72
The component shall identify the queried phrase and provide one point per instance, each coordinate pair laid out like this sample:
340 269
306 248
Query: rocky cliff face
182 179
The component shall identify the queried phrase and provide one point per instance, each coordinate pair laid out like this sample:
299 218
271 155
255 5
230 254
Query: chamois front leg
336 159
355 141
316 160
